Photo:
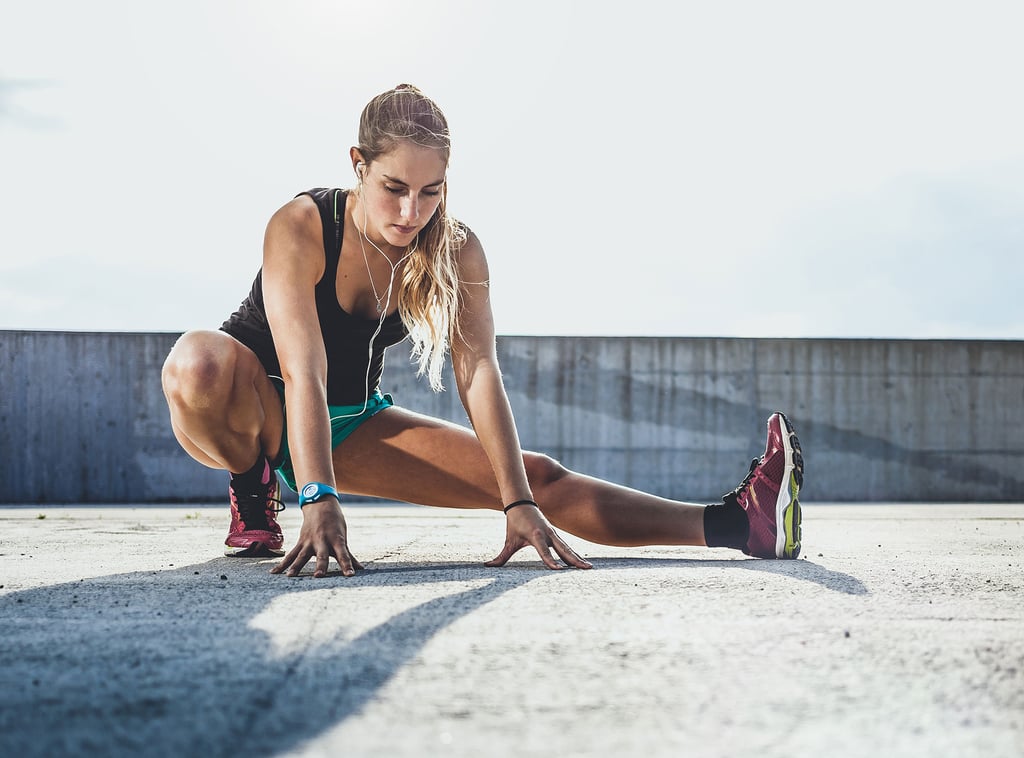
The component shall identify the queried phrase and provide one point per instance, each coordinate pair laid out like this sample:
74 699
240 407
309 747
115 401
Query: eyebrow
438 183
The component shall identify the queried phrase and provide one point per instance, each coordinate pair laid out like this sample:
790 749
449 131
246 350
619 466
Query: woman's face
401 189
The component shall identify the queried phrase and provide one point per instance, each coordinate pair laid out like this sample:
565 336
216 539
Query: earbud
360 168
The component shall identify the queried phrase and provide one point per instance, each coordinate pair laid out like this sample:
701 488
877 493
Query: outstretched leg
405 456
401 455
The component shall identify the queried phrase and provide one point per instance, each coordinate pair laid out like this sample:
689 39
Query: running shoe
254 529
769 494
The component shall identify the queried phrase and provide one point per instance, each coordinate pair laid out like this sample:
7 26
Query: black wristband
510 506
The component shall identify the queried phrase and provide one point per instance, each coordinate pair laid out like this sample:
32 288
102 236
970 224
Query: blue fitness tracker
315 491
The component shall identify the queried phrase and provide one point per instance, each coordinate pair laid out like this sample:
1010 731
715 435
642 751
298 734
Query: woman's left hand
526 525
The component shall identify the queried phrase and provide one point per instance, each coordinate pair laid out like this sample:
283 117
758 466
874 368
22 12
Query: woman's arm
478 377
293 262
475 364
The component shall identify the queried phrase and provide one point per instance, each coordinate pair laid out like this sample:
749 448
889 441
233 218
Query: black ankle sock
250 481
726 525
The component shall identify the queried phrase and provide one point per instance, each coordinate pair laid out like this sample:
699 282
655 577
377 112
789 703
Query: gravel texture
899 632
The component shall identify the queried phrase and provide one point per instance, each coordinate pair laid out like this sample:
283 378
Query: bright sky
632 168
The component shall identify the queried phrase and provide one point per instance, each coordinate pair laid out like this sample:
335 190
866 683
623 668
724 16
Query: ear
358 162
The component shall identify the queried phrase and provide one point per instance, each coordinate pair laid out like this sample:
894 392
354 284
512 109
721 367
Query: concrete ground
899 632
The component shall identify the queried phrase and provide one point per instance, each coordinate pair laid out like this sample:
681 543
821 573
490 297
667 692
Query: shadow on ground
186 661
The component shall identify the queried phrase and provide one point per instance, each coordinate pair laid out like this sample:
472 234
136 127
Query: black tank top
346 337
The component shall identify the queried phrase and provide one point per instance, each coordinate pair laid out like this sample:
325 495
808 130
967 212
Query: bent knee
200 370
542 469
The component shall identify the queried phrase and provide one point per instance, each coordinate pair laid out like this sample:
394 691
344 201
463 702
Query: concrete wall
82 417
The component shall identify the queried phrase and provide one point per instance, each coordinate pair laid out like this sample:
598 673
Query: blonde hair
428 295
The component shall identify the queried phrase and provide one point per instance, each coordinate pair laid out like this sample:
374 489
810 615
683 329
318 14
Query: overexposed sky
649 168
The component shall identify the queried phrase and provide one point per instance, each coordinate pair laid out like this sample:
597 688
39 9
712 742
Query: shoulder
471 257
467 240
293 247
298 215
470 249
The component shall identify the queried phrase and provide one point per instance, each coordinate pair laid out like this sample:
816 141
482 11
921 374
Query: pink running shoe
769 494
254 529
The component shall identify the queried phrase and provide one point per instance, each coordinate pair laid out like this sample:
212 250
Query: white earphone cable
383 312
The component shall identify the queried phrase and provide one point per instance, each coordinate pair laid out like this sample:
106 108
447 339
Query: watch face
309 490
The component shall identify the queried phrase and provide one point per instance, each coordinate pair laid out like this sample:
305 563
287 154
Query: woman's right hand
323 534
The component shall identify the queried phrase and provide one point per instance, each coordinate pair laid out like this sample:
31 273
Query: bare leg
223 407
404 456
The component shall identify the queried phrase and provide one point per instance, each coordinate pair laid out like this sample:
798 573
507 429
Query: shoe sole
255 550
788 515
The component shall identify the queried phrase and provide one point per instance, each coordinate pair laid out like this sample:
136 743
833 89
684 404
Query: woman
290 382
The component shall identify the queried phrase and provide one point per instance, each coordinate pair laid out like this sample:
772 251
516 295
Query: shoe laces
735 494
253 507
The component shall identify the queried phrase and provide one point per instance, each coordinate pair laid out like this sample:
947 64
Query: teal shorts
345 419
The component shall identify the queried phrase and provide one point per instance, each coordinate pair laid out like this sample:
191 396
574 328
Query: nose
410 208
